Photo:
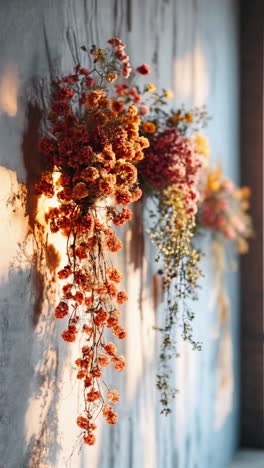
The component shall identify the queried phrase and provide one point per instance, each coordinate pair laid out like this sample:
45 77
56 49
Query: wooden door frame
252 145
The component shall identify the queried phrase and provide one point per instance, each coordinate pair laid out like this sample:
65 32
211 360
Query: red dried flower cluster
171 160
92 146
119 48
127 93
144 69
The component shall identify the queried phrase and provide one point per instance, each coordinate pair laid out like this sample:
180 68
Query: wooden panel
252 152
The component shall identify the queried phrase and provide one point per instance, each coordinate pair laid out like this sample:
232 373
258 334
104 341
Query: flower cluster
224 207
89 149
170 174
171 160
146 100
172 231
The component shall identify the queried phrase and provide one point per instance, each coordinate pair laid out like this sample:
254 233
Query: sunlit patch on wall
14 222
222 331
190 76
9 87
54 244
225 382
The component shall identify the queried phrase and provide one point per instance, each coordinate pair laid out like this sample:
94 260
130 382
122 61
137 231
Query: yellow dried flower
214 180
151 88
168 94
98 53
111 77
242 246
201 145
132 111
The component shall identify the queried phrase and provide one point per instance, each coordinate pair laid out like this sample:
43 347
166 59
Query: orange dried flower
121 218
110 415
131 112
113 396
96 372
119 362
61 310
88 301
100 119
68 336
67 290
87 381
176 118
106 187
89 439
90 174
72 328
65 272
113 319
119 332
92 99
188 117
111 290
79 297
149 127
122 297
82 422
81 374
106 410
101 317
86 350
87 329
93 395
103 360
114 275
85 362
113 243
110 348
104 102
81 252
109 160
143 142
123 197
101 289
126 173
118 106
136 194
80 191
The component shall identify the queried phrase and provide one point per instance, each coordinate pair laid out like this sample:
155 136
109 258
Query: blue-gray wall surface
192 46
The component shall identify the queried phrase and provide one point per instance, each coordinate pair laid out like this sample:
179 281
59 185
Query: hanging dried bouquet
169 176
89 149
223 209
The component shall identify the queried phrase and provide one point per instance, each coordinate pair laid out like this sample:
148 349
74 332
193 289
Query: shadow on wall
40 417
33 169
29 357
28 373
45 257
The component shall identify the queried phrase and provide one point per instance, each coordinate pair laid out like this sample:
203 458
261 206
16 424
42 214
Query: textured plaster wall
192 46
